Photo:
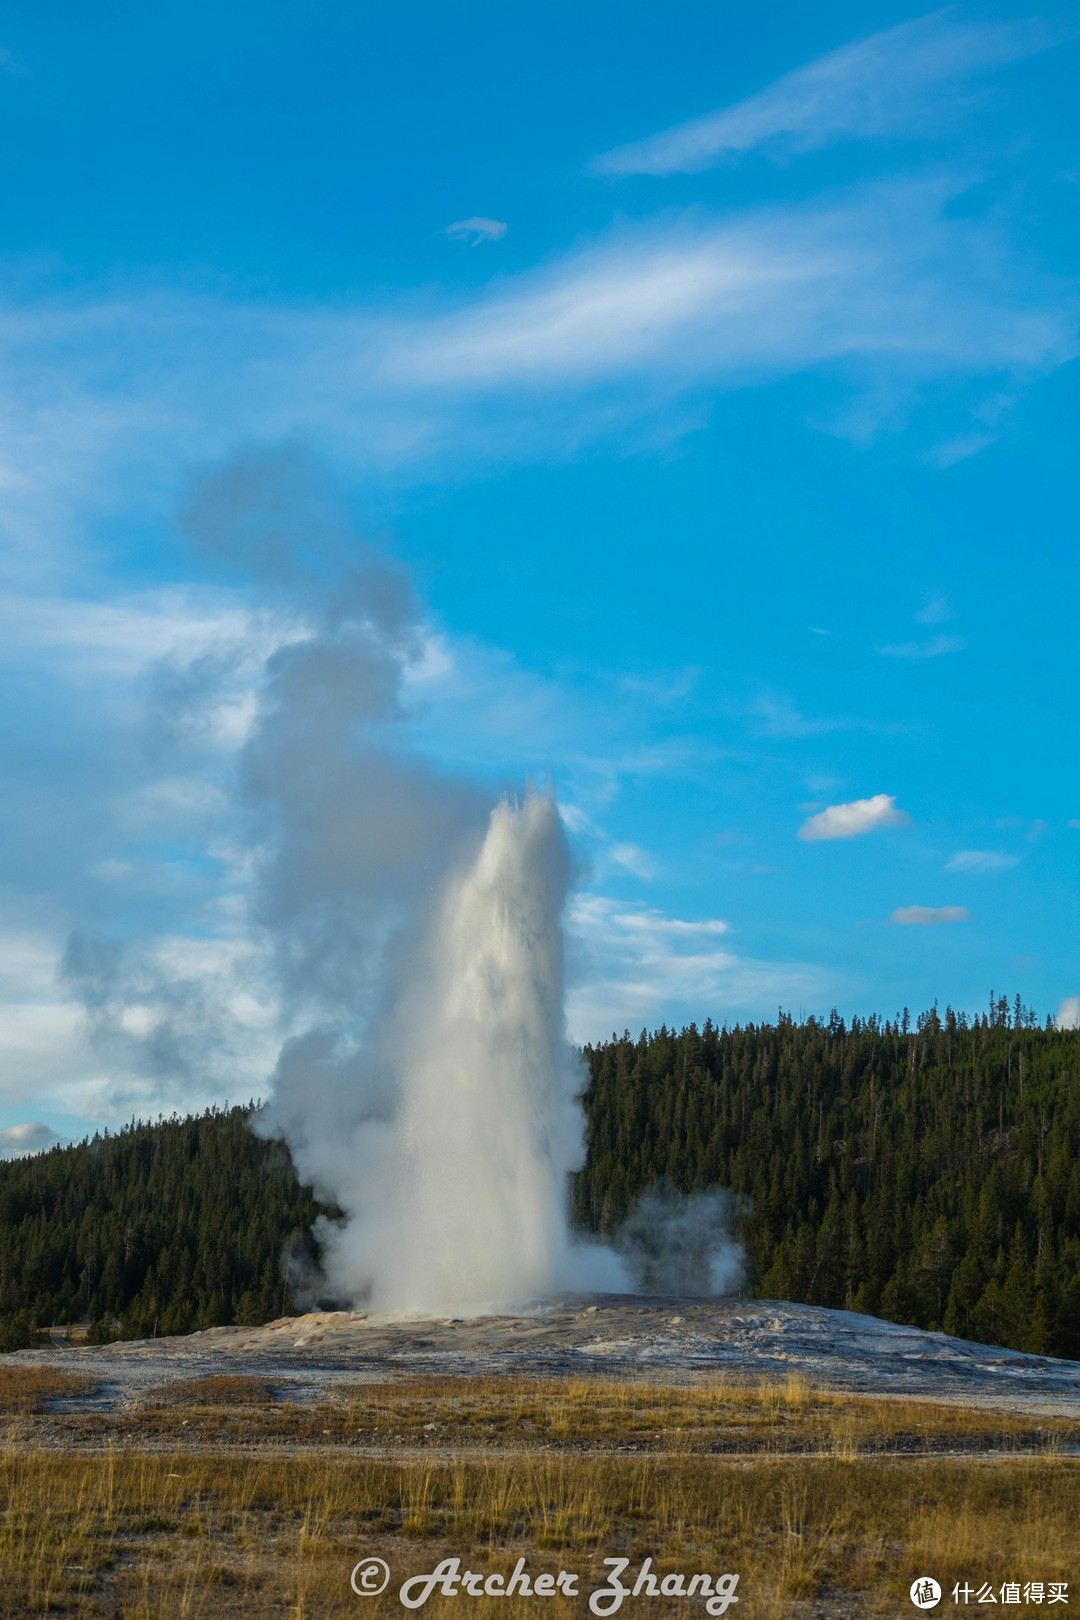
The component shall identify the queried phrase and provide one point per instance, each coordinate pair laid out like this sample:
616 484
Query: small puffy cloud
929 916
1068 1016
476 230
980 860
851 820
33 1137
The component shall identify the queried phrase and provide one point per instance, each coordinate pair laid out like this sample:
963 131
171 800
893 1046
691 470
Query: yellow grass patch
715 1415
145 1528
30 1389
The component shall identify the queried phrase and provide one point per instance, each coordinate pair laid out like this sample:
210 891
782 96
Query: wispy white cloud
632 859
647 927
883 273
936 610
959 448
904 81
477 706
980 860
853 819
777 715
935 647
41 1055
615 309
122 635
175 1020
633 967
476 230
929 916
885 284
184 1011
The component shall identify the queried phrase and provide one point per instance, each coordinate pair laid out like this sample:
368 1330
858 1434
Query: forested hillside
928 1175
158 1229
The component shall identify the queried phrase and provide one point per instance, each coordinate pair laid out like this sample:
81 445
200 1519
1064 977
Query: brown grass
219 1389
714 1416
160 1534
30 1389
129 1533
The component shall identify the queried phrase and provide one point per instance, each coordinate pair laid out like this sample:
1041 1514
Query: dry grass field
219 1497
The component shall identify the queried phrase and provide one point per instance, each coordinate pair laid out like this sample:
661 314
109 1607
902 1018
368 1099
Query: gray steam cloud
353 828
410 920
146 1014
337 830
681 1243
414 916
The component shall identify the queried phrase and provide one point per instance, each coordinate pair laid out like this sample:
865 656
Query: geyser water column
449 1134
490 1125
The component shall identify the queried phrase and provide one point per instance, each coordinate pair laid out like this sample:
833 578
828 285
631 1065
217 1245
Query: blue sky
712 373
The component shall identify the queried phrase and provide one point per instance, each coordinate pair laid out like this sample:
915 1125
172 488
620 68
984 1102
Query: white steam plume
459 1200
681 1243
1068 1014
428 1087
416 925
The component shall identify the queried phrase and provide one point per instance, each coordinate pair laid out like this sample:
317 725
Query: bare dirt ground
618 1336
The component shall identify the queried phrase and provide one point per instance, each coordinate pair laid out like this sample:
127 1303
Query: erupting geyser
415 932
449 1142
490 1124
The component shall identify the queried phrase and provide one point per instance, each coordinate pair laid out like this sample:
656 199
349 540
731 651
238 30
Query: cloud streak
904 81
936 647
879 273
632 967
883 284
929 916
980 860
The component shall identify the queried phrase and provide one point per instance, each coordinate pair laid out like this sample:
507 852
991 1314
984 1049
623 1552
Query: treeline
926 1174
157 1229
